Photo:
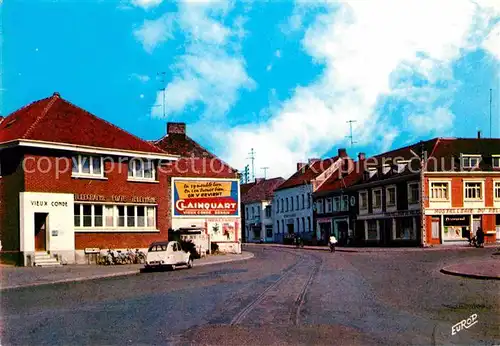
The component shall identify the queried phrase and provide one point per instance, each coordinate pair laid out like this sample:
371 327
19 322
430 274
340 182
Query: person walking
331 242
480 237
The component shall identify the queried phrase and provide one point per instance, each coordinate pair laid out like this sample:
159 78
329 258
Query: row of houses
438 191
72 184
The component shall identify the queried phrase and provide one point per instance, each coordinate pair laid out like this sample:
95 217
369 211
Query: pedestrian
332 241
480 237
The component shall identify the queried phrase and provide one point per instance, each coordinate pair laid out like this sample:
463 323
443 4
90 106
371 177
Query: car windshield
155 248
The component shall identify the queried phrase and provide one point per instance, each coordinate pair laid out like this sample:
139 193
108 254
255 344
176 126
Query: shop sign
459 220
463 211
41 203
191 197
114 198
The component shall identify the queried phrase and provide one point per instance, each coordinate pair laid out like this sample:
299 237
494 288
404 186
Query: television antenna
350 127
252 157
265 171
162 89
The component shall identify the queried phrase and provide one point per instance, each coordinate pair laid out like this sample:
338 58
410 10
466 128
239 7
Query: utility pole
162 80
265 171
491 97
252 157
350 126
423 164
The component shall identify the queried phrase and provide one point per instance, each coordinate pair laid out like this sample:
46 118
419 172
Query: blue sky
281 77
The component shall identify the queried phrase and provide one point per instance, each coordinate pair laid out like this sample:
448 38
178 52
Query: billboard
221 230
205 197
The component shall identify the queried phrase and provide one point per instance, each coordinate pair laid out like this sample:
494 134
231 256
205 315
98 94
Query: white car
167 253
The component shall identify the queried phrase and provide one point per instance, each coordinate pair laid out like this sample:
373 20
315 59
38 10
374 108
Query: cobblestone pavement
282 296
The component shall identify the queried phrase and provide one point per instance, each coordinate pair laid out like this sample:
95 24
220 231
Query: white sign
464 324
462 211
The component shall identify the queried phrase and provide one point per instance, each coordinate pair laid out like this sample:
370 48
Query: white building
258 210
292 202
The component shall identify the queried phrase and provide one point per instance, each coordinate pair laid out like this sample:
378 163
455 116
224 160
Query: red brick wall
489 193
489 225
44 178
457 193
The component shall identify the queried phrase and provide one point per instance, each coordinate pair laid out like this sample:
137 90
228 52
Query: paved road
281 296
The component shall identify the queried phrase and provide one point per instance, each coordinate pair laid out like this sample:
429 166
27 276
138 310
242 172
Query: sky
280 77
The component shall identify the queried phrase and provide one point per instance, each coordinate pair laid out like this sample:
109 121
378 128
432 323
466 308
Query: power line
350 126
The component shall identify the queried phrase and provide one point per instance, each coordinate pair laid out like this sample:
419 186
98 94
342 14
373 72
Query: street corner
485 270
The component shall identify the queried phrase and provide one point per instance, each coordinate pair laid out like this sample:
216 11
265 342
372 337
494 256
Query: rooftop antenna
350 126
162 81
252 157
265 171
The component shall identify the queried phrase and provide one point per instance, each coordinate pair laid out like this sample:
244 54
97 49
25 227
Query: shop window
413 193
470 161
345 203
440 191
110 215
363 200
391 196
141 169
77 215
141 216
98 216
473 190
151 217
497 190
121 216
372 230
87 215
377 198
404 229
87 166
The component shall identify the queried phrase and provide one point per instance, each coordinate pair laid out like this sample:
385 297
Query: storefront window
110 215
151 216
269 232
77 213
87 215
130 216
404 229
121 216
456 227
141 217
372 231
98 215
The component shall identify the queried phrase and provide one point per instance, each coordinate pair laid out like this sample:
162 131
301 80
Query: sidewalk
17 277
377 249
486 270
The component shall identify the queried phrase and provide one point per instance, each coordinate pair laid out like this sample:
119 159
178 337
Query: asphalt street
282 296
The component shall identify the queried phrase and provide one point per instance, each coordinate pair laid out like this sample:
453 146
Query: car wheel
190 263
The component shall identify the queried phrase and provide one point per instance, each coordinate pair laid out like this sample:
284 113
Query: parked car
167 253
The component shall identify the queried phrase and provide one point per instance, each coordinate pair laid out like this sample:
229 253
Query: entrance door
436 228
290 228
476 223
41 231
342 231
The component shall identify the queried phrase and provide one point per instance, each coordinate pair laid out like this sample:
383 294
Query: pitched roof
244 188
184 146
338 182
56 120
307 173
262 190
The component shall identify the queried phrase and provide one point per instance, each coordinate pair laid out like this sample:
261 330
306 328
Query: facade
244 188
292 202
336 204
66 188
459 188
257 203
204 190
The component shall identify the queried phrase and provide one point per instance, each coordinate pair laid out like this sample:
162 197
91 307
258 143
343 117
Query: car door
177 253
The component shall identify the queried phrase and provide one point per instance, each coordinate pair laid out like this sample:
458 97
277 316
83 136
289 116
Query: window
269 231
308 200
336 204
473 190
413 193
91 166
282 205
303 224
287 206
141 169
297 202
391 196
345 203
309 224
405 229
103 216
372 230
268 211
496 161
497 190
470 161
328 205
278 227
303 201
439 191
319 206
363 200
291 203
377 199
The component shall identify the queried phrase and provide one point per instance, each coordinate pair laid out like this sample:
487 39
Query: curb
471 276
127 273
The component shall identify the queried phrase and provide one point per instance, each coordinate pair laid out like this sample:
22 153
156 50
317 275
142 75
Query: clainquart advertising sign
205 197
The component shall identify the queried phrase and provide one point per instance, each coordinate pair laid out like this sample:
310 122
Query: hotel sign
462 211
114 198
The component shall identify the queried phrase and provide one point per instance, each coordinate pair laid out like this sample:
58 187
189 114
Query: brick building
199 169
70 181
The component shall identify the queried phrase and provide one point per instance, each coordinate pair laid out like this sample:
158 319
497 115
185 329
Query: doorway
476 223
41 231
436 228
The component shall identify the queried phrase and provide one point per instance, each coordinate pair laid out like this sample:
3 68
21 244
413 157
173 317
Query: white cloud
492 42
362 44
154 32
211 71
146 4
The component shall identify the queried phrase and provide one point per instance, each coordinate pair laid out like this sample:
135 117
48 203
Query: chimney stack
176 128
479 134
342 152
361 156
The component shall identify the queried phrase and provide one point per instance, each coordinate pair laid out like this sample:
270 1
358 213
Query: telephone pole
252 157
162 81
265 171
350 126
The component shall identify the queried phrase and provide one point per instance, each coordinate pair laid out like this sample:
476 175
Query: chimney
300 165
479 134
176 128
361 156
342 152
